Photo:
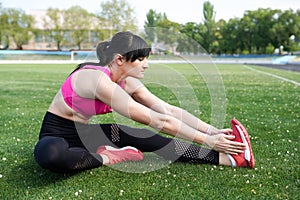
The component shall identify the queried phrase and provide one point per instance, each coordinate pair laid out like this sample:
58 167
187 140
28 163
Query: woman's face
137 68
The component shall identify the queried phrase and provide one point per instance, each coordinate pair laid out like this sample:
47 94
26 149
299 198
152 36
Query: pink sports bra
85 106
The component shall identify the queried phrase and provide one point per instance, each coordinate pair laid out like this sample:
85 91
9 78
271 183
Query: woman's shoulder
87 78
132 85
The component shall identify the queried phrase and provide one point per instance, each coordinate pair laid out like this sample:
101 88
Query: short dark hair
127 44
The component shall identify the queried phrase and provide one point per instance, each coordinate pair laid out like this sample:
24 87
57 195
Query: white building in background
39 41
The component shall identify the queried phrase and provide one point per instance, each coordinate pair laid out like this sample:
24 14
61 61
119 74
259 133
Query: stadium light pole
292 39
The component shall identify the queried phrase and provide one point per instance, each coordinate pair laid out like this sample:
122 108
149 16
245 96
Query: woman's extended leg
147 141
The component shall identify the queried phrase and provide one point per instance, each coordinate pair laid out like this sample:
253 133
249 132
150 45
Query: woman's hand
226 131
214 131
223 143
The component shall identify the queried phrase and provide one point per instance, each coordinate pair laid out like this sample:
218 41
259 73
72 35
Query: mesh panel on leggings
85 162
195 154
115 136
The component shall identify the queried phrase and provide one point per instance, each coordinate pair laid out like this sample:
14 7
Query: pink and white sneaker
245 159
116 155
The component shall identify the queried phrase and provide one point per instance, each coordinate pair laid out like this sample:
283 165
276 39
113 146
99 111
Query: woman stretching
68 143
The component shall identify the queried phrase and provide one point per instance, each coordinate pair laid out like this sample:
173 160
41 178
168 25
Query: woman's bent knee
49 152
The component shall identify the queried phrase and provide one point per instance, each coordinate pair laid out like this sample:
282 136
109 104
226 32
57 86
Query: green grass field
267 106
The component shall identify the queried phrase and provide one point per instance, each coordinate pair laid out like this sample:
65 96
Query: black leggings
67 146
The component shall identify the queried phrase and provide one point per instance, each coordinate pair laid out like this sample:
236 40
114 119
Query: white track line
273 75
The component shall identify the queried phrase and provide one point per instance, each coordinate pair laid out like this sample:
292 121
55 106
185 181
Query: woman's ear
119 59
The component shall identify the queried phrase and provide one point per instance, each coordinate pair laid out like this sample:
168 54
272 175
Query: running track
288 67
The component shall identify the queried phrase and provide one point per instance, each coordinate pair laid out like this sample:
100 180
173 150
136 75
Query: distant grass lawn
267 106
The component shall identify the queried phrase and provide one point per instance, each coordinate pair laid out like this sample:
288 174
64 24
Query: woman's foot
115 155
245 159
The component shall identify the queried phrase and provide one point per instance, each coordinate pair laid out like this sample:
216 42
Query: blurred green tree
17 25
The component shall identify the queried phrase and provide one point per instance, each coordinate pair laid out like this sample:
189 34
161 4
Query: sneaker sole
249 156
110 148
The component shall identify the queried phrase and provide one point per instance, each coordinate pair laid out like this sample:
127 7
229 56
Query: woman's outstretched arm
141 94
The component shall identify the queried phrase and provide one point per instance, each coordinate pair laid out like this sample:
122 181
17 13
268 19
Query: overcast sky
180 11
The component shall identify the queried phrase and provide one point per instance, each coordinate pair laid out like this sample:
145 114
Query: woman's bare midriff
60 108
